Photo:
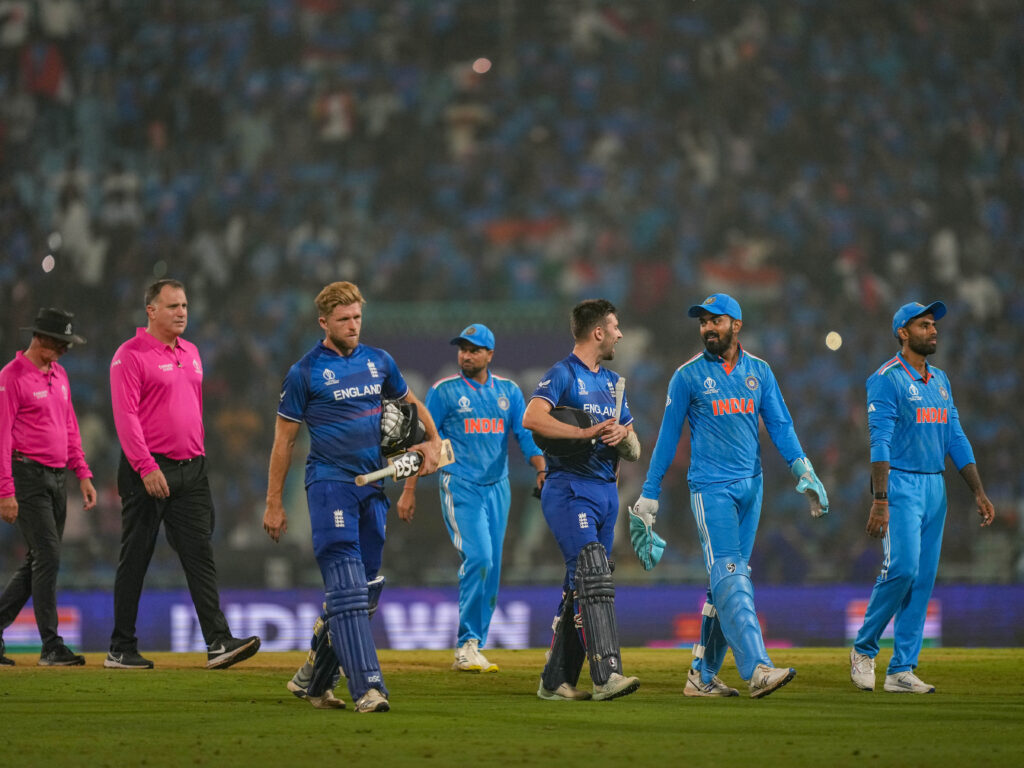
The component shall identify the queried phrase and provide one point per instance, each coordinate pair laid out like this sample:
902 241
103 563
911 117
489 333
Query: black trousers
42 511
188 520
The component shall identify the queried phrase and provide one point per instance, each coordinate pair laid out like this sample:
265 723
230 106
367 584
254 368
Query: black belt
161 459
22 458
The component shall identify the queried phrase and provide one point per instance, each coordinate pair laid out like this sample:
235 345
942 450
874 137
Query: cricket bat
620 392
406 465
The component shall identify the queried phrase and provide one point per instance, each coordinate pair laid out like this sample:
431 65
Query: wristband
881 496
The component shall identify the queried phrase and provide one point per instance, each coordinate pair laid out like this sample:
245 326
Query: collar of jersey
475 385
721 360
912 373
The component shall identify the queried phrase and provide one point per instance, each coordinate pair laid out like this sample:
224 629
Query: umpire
156 381
39 439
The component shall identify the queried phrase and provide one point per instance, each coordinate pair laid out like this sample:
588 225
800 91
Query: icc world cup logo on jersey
710 386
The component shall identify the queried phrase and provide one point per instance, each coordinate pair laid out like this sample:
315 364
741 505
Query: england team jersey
723 407
570 382
912 420
339 398
478 418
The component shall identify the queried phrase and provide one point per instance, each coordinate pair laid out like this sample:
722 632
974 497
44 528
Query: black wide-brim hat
57 324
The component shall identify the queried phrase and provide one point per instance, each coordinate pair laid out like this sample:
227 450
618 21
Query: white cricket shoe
766 680
617 685
469 659
907 682
695 686
564 692
326 700
862 670
372 701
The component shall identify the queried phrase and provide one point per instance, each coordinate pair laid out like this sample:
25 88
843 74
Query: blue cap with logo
718 304
908 312
478 334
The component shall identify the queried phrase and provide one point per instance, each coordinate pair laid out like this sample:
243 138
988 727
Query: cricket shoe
563 692
60 656
907 682
767 680
327 700
695 686
617 685
225 653
372 701
862 670
5 661
126 660
469 659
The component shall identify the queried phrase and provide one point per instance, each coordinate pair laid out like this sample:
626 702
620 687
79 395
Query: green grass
183 715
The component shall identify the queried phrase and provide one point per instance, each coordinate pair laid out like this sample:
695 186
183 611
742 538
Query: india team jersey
912 419
723 407
570 382
478 418
339 398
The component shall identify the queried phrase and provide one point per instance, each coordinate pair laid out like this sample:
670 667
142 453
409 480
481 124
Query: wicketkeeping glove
808 483
648 545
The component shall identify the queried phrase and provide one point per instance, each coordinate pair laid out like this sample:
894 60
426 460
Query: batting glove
648 545
808 483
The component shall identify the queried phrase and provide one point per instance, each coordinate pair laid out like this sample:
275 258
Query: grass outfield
183 715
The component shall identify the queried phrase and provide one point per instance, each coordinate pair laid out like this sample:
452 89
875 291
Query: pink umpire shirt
157 394
38 420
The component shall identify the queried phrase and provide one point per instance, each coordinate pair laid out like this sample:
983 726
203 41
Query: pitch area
180 714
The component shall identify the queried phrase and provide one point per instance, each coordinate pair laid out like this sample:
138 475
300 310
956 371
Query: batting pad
712 642
734 601
349 621
565 659
595 591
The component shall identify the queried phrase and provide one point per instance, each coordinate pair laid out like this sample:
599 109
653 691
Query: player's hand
614 433
878 519
9 510
88 493
809 484
648 545
156 484
986 510
431 453
275 520
407 504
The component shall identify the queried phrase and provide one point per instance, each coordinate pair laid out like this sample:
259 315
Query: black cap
57 324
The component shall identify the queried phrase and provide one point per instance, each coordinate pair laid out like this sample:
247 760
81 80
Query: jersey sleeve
552 385
882 415
778 421
8 411
126 397
434 403
677 405
294 394
395 386
960 450
517 405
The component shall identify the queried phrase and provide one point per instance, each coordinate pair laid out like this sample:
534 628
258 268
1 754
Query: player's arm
538 419
406 505
430 448
677 406
8 412
524 437
275 519
962 454
883 413
125 396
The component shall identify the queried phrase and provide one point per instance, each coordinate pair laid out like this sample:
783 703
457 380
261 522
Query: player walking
477 411
913 425
337 389
724 392
581 503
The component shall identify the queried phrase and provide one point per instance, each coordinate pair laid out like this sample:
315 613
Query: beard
923 347
716 343
346 343
470 371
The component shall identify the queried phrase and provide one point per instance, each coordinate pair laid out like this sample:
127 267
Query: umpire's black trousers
188 519
42 510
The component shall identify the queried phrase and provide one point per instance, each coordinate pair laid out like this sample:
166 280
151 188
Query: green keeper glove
809 484
648 545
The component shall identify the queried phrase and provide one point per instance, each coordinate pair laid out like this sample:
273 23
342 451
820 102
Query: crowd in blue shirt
823 163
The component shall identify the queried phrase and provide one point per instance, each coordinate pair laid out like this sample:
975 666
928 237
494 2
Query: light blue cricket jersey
570 382
723 408
339 398
912 420
478 418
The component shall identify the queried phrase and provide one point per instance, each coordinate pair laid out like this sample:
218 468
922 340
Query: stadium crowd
823 163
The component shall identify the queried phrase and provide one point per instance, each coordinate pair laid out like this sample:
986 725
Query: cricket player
913 425
477 411
337 388
724 392
580 502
